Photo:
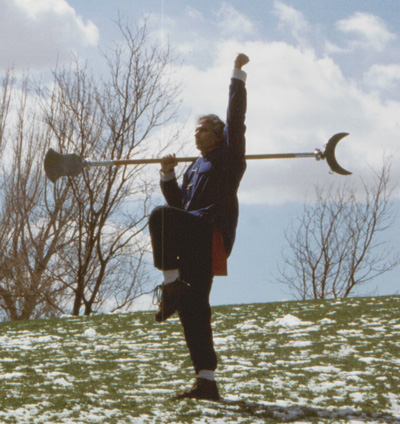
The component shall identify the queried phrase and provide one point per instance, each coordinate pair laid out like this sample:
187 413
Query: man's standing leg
195 316
195 312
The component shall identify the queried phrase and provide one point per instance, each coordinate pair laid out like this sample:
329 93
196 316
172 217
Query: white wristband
239 74
167 177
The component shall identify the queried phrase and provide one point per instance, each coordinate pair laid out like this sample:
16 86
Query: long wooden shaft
118 162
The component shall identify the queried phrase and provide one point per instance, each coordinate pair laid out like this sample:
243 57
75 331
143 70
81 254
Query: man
198 227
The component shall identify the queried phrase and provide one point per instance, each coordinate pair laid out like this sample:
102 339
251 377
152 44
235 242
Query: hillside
331 361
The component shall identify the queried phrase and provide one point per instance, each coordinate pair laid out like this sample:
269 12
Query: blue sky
317 67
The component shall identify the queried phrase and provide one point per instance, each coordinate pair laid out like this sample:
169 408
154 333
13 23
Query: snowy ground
295 362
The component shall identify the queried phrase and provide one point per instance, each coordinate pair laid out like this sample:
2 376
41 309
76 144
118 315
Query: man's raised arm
235 127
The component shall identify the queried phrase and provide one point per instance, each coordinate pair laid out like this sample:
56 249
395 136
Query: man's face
205 137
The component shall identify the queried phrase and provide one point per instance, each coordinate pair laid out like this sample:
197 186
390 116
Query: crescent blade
329 154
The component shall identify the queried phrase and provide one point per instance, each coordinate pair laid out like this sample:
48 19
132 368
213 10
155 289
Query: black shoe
202 389
169 299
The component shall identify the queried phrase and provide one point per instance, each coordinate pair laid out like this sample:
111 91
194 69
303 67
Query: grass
315 361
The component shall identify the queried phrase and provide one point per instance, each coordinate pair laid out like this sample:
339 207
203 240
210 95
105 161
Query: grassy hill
330 361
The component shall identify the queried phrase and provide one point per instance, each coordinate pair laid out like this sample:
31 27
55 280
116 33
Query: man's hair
217 124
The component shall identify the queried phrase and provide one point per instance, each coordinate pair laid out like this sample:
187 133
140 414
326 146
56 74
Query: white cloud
332 48
291 19
37 33
383 76
193 13
37 7
370 30
232 23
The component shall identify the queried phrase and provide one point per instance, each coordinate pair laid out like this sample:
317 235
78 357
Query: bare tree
337 244
32 230
111 117
80 243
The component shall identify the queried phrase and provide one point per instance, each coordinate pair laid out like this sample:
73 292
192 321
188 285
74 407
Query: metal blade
57 165
329 154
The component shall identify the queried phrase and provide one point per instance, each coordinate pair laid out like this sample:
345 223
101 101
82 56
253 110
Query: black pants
183 241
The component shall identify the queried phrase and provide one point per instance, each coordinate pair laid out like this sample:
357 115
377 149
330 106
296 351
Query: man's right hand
168 163
241 60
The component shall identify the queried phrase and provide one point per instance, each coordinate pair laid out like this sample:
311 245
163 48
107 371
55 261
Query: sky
317 68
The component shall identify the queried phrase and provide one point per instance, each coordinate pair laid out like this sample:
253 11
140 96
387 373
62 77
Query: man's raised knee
156 216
